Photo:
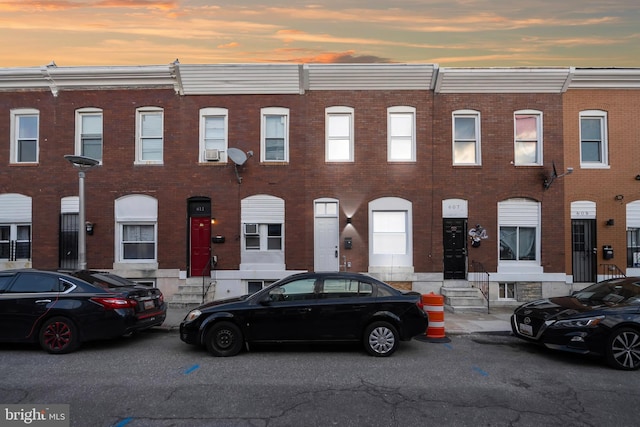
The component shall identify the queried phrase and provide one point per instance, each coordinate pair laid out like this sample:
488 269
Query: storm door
68 257
584 249
455 248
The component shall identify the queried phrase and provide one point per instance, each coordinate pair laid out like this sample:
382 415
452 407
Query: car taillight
420 304
112 303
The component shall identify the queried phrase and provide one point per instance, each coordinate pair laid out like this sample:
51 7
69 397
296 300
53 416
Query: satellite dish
237 156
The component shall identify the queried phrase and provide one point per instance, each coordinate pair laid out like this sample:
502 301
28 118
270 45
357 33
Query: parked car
603 320
310 307
60 311
150 309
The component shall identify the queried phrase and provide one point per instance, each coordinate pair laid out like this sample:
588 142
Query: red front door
200 246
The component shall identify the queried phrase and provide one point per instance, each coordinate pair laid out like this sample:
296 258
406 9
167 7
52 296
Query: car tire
381 339
623 349
59 335
224 339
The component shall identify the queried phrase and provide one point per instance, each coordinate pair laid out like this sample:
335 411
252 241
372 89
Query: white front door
326 236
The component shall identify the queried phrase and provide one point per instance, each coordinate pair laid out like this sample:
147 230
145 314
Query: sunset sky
453 33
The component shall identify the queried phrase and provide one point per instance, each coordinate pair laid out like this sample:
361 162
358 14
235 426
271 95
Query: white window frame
265 113
135 209
81 113
386 260
604 143
16 116
517 142
331 138
520 213
506 288
140 138
263 237
396 141
218 143
466 114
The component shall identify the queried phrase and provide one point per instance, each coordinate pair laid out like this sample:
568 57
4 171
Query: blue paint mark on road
449 346
191 369
124 422
480 371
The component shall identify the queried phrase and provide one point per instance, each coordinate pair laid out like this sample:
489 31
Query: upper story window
89 133
593 139
25 129
274 134
466 137
528 138
339 134
213 134
149 135
401 134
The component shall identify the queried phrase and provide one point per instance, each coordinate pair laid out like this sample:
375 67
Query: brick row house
220 179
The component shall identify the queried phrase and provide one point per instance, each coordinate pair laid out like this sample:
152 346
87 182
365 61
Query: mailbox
607 252
348 243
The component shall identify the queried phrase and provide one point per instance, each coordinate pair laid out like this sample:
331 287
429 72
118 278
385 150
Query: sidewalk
458 323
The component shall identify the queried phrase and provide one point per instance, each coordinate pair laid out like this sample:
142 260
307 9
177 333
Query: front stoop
190 294
463 299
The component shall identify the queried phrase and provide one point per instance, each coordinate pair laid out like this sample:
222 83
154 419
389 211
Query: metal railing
479 278
610 271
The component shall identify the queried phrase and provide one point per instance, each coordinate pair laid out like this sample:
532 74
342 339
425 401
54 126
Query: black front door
583 242
455 248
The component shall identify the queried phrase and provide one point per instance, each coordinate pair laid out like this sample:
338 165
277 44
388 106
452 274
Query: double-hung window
274 129
15 242
466 137
89 133
339 134
593 139
528 138
263 237
149 135
25 129
519 231
401 134
136 229
213 134
138 241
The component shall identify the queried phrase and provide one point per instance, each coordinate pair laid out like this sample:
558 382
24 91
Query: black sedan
310 307
150 308
602 320
60 311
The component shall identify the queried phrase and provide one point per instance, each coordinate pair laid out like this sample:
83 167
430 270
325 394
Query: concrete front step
464 299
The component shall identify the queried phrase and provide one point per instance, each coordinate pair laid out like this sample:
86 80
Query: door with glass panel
326 250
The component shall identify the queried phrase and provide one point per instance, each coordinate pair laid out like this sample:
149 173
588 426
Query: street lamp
83 164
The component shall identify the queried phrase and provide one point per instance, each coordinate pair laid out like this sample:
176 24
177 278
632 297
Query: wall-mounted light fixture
348 220
637 177
89 226
619 197
213 221
610 221
554 175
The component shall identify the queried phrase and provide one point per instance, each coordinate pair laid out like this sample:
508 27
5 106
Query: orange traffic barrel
434 306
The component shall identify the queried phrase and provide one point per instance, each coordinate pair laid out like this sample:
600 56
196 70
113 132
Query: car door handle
43 301
304 310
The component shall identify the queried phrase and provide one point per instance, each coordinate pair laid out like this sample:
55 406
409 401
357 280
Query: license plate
526 329
148 305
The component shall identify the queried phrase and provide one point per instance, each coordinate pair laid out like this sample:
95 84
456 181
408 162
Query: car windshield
611 291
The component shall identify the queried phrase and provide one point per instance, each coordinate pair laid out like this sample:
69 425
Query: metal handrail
480 280
611 271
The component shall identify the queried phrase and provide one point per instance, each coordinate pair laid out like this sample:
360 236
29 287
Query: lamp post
83 164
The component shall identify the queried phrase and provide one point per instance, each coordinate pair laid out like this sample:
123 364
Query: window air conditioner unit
212 155
251 229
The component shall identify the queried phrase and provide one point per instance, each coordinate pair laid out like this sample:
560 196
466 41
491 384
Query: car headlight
193 315
585 322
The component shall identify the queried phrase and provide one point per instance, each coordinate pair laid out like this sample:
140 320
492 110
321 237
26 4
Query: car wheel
381 339
623 349
59 335
224 339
